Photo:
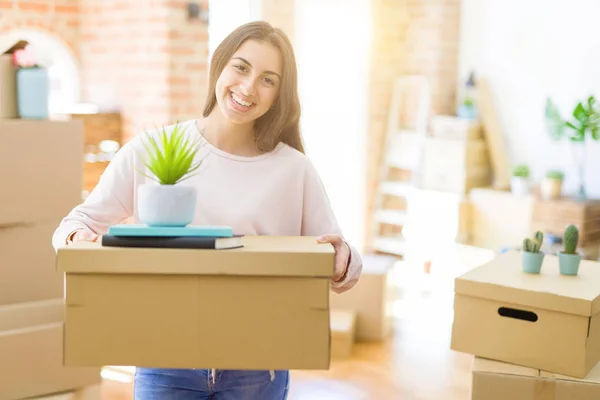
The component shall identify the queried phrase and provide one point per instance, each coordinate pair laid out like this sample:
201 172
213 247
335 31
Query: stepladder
400 167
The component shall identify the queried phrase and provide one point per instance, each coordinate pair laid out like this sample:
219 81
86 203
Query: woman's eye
270 81
240 67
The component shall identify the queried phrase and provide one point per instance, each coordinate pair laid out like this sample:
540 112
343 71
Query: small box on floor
545 321
31 349
343 327
494 380
261 306
371 299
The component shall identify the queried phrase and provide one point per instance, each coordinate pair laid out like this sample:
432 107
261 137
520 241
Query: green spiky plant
521 171
571 239
533 245
170 157
555 174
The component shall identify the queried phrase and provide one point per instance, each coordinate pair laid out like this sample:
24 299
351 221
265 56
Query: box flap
502 279
261 255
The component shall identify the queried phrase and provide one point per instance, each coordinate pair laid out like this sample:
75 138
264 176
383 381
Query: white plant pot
551 188
519 186
166 205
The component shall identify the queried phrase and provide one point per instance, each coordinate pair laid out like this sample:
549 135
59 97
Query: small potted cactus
551 187
569 258
533 257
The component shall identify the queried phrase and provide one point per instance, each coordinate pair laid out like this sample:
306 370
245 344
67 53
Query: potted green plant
170 158
519 182
551 187
532 256
585 124
569 258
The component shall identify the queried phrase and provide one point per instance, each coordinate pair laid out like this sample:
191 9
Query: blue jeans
201 384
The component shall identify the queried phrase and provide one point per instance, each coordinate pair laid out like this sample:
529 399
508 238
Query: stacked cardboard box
41 182
455 156
541 330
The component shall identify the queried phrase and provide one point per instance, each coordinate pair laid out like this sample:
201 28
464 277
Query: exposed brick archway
64 70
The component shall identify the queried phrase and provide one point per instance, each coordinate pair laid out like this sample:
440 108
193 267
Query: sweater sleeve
319 219
109 203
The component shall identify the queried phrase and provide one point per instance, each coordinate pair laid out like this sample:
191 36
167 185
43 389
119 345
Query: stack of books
187 237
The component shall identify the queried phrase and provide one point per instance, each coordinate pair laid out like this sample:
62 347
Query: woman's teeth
238 100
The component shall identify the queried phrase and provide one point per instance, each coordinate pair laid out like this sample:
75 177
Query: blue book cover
141 230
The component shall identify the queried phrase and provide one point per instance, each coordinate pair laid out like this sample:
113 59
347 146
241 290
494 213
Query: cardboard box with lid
546 321
494 380
262 306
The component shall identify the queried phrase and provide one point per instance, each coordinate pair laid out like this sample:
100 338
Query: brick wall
409 37
149 62
123 50
58 17
188 53
432 48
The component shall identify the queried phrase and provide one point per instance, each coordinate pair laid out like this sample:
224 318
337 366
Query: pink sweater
278 193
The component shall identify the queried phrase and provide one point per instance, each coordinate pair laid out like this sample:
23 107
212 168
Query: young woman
254 177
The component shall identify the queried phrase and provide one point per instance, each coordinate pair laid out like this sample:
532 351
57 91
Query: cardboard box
43 178
27 264
8 87
343 332
493 380
455 166
31 345
263 306
371 298
455 128
545 321
500 218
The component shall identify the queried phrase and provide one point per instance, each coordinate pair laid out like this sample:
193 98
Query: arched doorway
65 89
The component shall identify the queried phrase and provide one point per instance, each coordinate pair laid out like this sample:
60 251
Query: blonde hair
282 122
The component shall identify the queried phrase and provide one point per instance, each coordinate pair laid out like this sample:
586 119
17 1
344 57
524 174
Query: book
176 242
140 230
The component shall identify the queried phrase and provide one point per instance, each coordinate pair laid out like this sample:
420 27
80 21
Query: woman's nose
247 87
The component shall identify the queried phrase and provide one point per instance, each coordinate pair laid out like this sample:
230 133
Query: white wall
529 50
332 44
226 15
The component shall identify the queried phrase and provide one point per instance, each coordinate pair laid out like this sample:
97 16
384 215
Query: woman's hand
342 254
83 235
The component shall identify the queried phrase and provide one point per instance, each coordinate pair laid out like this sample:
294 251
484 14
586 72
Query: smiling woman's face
249 84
